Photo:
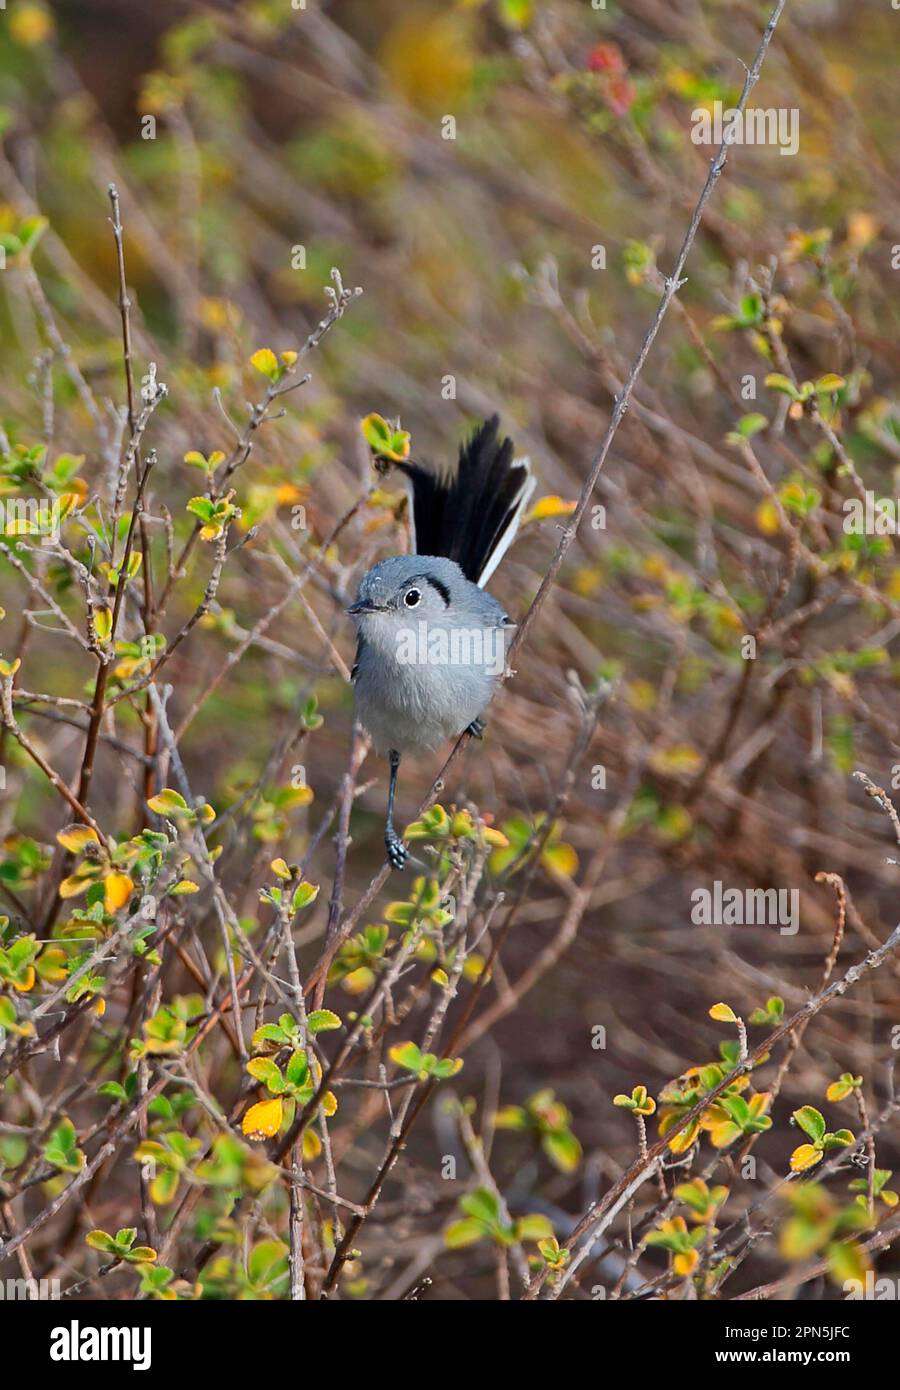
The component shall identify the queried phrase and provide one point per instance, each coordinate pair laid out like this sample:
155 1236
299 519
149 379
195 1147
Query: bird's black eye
411 598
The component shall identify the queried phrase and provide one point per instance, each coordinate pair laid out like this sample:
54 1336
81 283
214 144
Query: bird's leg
396 850
477 728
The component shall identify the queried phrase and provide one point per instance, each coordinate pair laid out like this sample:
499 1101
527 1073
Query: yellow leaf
117 889
312 1145
495 837
641 695
103 623
265 361
358 981
30 25
806 1156
862 229
289 492
723 1013
214 313
561 858
263 1119
681 758
427 60
767 518
549 507
77 838
73 885
53 964
686 1262
68 501
684 1139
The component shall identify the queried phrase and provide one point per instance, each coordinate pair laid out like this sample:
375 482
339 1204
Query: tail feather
471 516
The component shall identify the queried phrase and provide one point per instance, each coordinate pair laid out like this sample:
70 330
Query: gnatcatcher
431 643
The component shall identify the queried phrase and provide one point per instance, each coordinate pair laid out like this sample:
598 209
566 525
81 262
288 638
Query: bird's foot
477 728
397 852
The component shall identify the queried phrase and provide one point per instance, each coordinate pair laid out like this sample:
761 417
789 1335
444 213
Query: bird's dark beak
363 606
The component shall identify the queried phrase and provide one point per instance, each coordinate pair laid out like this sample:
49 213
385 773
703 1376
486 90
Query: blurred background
506 180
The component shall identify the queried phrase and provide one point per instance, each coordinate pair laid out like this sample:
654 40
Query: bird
431 642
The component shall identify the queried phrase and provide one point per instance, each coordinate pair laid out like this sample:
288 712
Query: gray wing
360 643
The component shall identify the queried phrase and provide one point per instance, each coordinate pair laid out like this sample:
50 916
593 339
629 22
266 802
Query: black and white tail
472 515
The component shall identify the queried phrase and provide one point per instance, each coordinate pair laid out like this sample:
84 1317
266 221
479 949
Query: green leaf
406 1055
481 1204
267 1263
517 13
459 1234
264 1069
141 1254
563 1150
446 1066
322 1021
384 441
534 1227
737 1108
812 1122
61 1150
512 1117
297 1069
749 425
164 1186
113 1090
100 1240
304 894
202 507
197 460
167 802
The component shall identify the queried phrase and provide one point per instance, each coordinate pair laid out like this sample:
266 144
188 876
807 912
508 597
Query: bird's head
404 590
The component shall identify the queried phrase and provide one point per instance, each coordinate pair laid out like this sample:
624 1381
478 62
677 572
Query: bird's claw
397 852
476 728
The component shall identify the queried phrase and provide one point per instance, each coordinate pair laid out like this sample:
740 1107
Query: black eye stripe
439 587
437 584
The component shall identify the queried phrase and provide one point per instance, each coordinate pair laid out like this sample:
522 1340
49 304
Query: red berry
606 57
